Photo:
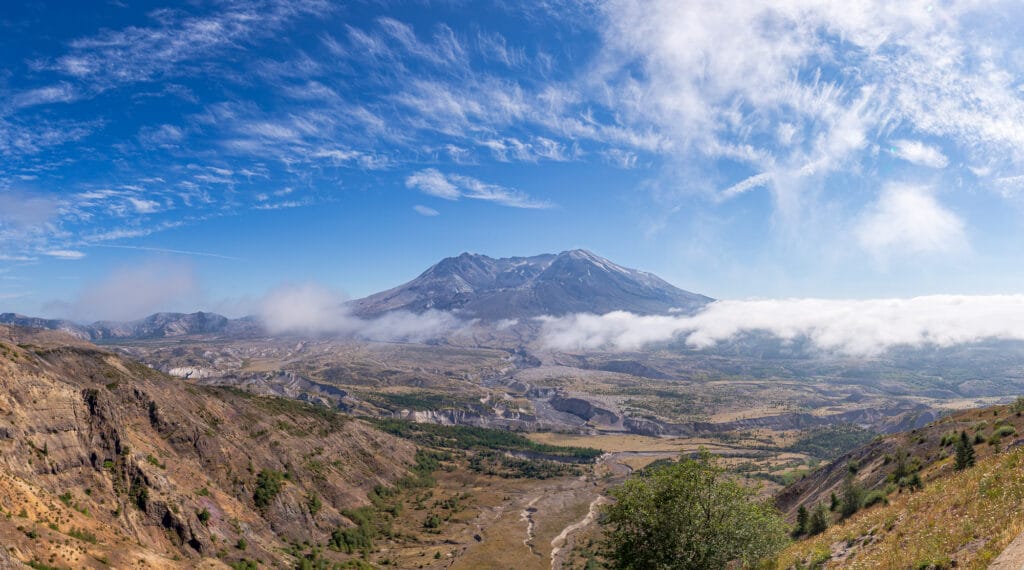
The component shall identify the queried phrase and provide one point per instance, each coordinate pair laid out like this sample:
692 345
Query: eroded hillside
104 461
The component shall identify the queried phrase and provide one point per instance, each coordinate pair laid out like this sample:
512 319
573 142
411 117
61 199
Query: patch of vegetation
421 475
419 401
268 485
1004 431
474 438
82 535
314 504
510 467
690 515
154 461
832 441
286 406
359 538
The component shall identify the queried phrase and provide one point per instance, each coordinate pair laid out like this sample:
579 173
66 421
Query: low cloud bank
853 327
131 292
312 309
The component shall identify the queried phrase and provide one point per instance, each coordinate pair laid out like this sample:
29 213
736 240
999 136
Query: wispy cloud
425 210
919 153
168 250
144 53
454 186
64 253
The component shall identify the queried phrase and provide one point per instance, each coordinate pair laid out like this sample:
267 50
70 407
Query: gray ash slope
575 281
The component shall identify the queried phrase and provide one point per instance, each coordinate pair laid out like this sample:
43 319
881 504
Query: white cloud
60 93
854 327
908 219
132 292
161 136
454 186
144 206
425 210
313 309
433 182
919 153
804 88
745 185
64 254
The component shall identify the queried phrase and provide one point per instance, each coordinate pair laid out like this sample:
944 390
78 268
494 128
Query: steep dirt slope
953 518
926 451
104 461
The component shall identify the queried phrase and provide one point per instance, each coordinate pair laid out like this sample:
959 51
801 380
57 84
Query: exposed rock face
583 409
134 456
521 287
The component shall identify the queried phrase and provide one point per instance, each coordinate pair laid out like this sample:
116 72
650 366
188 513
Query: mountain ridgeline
157 325
475 286
522 287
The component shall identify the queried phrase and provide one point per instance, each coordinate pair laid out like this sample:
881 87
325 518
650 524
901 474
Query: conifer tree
964 453
802 517
819 520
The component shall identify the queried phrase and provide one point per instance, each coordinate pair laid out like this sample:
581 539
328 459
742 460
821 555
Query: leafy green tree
689 515
964 453
833 503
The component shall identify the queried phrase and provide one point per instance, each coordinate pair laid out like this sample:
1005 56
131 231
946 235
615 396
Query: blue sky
159 156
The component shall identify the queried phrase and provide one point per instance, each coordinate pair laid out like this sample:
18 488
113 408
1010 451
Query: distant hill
158 325
522 287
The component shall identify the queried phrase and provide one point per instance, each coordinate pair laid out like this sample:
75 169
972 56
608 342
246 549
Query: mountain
158 325
105 462
517 287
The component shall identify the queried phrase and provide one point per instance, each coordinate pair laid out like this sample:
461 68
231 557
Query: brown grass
966 518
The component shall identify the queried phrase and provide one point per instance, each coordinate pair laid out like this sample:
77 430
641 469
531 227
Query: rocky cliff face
135 465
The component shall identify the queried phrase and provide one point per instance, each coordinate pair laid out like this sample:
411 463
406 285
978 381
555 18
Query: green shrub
203 515
359 538
875 497
433 521
154 461
268 485
1006 430
314 504
82 535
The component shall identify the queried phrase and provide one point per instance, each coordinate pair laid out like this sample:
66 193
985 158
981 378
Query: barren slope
105 461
